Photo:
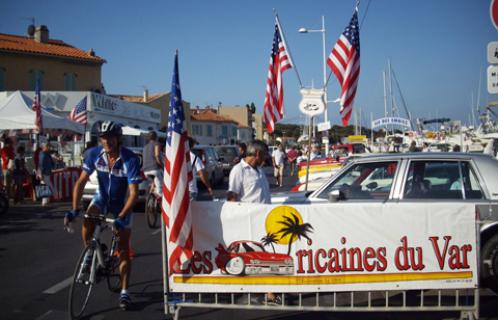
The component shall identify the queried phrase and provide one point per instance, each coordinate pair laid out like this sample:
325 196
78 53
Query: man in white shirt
197 168
247 181
278 159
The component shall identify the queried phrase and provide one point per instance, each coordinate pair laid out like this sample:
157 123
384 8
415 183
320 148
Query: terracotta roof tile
209 116
58 48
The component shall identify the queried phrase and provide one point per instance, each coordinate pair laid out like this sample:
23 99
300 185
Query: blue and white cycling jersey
113 184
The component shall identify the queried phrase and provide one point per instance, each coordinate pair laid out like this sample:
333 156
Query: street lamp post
325 115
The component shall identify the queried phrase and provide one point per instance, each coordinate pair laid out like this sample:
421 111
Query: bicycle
152 205
94 263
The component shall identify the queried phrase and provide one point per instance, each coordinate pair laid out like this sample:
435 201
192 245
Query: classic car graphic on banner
327 247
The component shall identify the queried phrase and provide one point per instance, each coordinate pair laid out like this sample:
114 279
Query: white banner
329 247
395 121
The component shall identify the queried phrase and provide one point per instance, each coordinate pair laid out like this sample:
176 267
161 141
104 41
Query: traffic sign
323 126
493 79
493 12
493 52
312 102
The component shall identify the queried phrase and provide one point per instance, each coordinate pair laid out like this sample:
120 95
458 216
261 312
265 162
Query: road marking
44 315
59 286
157 231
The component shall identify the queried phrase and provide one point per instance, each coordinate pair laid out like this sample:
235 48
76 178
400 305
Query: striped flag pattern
280 61
177 174
78 114
344 60
37 108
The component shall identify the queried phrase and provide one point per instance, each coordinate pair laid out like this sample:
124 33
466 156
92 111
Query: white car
430 178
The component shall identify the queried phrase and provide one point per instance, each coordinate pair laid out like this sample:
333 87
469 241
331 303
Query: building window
197 129
2 79
224 131
34 75
209 129
70 81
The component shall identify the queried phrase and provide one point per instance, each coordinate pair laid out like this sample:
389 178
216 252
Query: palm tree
269 239
294 229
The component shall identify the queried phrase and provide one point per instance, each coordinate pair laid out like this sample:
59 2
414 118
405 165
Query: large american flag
344 60
37 108
280 61
78 114
177 174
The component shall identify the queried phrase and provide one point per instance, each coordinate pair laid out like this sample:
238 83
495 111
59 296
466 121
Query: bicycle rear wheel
113 276
81 287
151 208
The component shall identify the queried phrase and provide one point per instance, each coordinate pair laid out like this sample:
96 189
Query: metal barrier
465 301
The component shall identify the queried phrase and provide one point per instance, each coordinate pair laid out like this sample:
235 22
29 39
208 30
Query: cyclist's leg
158 180
95 208
124 256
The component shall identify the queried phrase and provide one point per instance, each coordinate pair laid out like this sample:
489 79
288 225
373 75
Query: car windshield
364 181
251 247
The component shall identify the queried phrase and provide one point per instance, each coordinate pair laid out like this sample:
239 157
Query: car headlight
255 261
288 262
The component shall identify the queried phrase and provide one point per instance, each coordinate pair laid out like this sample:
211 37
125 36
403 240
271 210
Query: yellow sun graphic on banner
279 220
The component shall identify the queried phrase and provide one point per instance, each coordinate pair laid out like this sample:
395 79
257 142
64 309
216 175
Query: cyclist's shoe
124 301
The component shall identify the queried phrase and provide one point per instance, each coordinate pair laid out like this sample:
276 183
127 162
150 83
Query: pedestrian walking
278 159
292 159
7 155
45 167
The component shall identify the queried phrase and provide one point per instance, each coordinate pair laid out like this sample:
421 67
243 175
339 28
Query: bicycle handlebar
99 217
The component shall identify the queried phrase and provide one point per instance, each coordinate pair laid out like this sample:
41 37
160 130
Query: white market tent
16 114
130 131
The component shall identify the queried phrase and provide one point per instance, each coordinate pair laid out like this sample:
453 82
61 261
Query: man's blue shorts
98 202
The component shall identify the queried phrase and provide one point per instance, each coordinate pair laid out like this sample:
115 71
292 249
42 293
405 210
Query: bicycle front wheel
81 287
113 275
151 208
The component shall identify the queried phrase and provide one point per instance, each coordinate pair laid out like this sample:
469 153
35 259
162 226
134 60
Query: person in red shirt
7 154
291 158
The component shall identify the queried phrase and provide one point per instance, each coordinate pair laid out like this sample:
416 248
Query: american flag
280 61
177 174
344 60
37 108
78 114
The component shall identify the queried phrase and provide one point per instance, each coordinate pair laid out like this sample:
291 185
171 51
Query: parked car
92 185
229 156
250 257
212 163
420 177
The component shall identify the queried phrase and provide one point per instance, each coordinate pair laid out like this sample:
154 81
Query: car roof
426 155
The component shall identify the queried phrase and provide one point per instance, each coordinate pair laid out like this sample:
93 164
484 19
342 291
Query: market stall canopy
16 113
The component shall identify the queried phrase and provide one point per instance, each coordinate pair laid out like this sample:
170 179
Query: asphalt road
37 258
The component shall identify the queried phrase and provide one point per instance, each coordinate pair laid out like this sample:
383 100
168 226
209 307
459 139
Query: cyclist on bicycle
118 174
152 164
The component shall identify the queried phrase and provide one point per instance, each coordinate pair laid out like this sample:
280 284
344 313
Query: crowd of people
16 177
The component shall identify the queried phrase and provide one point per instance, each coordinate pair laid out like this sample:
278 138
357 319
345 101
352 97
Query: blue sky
437 48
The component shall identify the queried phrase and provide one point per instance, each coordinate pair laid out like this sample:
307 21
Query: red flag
280 61
345 64
177 175
37 108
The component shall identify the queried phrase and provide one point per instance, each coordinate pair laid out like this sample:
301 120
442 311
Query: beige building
58 65
211 128
160 102
257 124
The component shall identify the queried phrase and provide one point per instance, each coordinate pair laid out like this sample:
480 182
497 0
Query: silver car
420 177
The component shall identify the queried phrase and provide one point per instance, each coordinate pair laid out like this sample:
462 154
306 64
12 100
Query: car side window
364 181
441 180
